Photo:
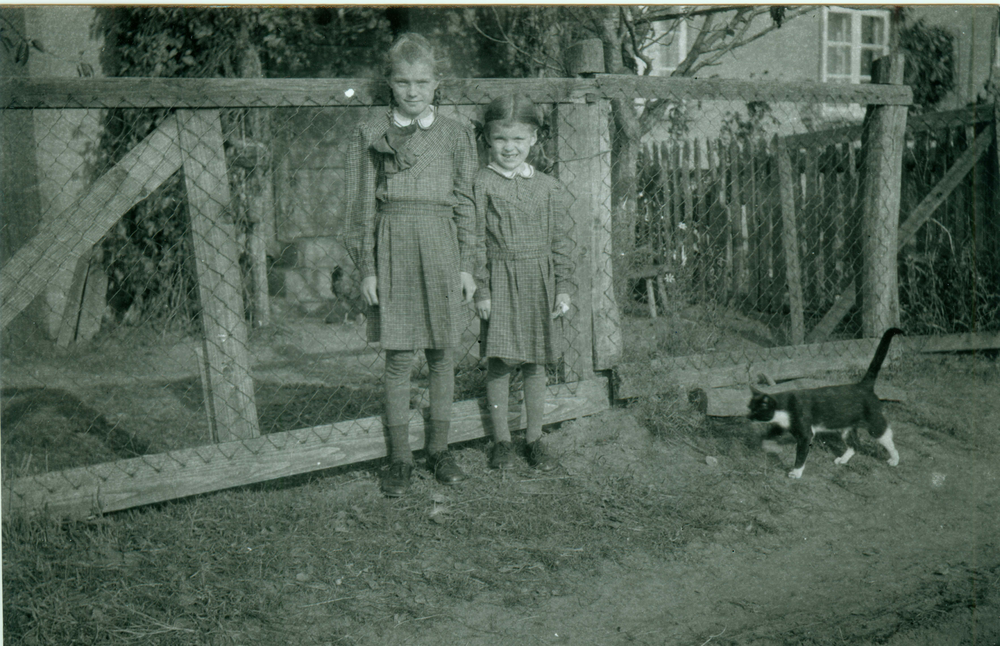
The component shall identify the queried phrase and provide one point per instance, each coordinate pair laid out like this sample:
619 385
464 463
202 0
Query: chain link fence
750 228
180 313
185 304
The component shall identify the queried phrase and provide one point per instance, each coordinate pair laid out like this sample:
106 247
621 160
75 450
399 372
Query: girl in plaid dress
412 236
521 214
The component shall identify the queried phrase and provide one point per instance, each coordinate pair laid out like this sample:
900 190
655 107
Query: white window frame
856 15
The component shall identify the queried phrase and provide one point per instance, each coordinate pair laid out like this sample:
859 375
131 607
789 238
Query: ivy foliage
930 62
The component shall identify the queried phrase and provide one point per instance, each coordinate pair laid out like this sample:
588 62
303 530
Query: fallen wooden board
732 401
950 342
718 369
86 491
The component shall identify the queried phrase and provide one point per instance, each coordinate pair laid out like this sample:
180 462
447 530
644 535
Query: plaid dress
524 223
414 230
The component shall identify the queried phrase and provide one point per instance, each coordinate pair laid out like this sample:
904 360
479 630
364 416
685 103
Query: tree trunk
625 136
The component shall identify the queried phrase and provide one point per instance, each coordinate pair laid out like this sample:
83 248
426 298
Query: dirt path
858 555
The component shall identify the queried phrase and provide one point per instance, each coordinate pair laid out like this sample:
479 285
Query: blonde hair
413 48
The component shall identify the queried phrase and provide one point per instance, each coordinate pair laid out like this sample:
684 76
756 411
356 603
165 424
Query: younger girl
412 236
525 283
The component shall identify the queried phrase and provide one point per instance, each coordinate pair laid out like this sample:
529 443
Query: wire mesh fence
180 312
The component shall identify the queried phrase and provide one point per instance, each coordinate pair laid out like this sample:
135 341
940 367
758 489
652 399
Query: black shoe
444 468
502 455
396 480
539 457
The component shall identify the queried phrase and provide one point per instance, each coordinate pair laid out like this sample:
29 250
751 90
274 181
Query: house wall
792 53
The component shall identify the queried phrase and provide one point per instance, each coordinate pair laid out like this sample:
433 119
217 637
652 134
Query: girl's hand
468 286
562 305
483 309
369 290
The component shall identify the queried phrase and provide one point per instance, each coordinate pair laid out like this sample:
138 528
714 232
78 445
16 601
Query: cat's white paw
848 454
770 446
796 473
893 460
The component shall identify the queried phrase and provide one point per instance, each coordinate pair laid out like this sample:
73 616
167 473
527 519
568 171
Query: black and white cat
831 409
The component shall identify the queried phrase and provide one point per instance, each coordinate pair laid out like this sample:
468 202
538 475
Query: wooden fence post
219 281
584 153
607 328
790 243
882 143
578 134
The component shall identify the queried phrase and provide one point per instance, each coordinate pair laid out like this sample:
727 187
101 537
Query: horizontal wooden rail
36 93
85 491
919 123
717 89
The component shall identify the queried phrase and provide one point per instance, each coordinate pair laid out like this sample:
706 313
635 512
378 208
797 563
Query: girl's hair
510 109
412 48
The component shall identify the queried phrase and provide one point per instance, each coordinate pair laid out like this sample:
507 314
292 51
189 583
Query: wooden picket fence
716 208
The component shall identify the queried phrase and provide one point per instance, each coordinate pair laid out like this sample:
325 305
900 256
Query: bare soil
686 535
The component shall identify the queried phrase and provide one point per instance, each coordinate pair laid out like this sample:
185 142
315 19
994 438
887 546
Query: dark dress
414 229
524 223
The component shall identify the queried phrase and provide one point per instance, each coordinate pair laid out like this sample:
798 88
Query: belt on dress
415 207
529 253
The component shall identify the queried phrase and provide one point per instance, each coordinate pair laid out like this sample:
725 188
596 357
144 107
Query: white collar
526 170
403 121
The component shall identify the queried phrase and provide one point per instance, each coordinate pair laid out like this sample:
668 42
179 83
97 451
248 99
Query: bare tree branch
673 14
740 41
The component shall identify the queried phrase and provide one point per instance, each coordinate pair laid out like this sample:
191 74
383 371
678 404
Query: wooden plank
937 195
790 245
34 93
842 304
103 488
740 275
74 301
883 141
951 342
919 123
607 329
717 369
735 90
688 255
732 401
66 237
219 279
738 368
579 169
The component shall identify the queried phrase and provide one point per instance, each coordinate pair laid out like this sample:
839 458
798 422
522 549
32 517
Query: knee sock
398 364
534 398
497 396
441 369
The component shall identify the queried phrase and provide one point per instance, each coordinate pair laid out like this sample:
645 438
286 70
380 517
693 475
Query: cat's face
762 407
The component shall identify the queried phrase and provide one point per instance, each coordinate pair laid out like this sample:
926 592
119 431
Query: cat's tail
880 354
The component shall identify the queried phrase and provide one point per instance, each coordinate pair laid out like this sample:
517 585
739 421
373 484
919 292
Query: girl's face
413 86
510 144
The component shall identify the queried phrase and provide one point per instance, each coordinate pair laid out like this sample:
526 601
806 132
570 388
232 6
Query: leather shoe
502 455
539 457
445 469
396 480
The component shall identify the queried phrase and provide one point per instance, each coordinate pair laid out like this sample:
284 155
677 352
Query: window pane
868 56
838 27
838 60
872 30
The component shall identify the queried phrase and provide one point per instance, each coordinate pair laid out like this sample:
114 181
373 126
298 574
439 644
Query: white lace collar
526 170
424 122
